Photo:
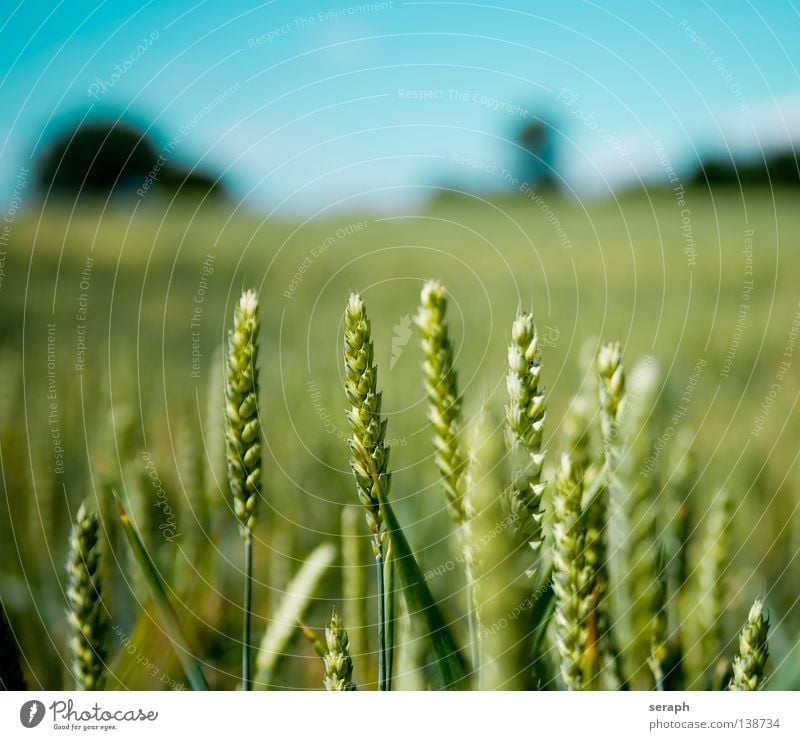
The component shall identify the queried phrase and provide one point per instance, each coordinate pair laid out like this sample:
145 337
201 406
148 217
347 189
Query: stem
383 681
473 638
247 680
389 615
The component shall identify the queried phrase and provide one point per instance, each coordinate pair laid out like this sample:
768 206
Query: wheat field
568 463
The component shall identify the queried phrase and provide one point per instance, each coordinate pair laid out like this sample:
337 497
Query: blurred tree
103 158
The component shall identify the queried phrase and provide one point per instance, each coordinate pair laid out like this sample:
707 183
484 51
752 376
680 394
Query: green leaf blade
166 613
447 666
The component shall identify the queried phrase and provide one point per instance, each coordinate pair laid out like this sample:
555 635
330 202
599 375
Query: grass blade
10 666
169 620
446 665
313 639
295 603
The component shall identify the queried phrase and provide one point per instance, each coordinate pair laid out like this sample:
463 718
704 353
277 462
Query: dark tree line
99 159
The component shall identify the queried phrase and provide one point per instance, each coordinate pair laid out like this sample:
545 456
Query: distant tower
537 158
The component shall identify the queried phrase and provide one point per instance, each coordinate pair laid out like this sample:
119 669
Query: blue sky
319 105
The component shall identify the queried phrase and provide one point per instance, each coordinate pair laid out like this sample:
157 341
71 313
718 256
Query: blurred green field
111 320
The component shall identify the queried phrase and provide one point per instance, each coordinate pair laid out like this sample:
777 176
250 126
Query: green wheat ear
243 427
369 455
634 523
749 665
571 577
85 608
525 416
611 390
338 664
604 652
576 433
444 402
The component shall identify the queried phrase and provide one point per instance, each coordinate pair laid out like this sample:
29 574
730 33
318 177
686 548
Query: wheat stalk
576 441
525 416
570 575
243 438
337 661
243 429
445 416
749 665
369 455
600 646
85 612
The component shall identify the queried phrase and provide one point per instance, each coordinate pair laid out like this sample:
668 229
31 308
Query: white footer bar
400 716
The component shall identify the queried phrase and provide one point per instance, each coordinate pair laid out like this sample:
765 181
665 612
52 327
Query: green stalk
383 681
247 674
472 624
389 613
243 438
